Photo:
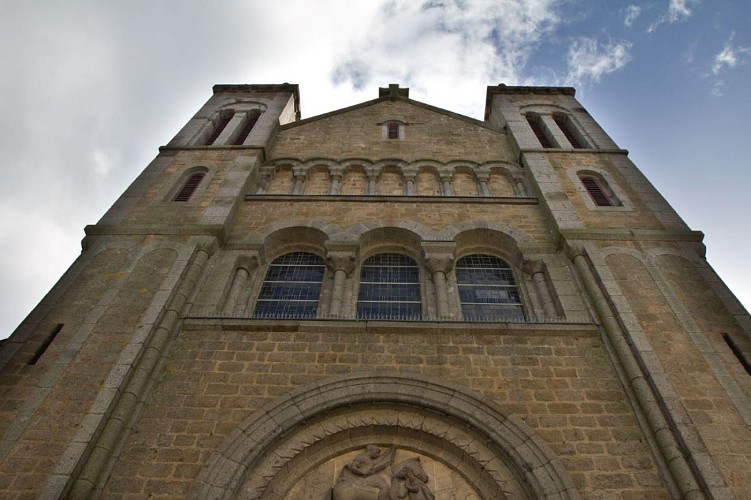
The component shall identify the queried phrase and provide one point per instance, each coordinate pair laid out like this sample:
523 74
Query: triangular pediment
359 131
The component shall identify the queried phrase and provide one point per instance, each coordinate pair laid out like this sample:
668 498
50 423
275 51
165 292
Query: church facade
388 301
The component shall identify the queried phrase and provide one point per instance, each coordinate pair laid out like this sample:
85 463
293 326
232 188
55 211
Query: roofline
502 88
273 87
384 99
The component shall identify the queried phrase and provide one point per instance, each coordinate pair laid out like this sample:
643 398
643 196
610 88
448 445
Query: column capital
341 261
532 267
248 261
439 256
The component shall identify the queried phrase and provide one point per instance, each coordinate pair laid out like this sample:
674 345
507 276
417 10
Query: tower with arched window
390 300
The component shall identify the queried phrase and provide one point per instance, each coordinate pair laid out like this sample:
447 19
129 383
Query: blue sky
90 90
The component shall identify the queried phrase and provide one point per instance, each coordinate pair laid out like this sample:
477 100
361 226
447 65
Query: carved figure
410 482
363 478
371 476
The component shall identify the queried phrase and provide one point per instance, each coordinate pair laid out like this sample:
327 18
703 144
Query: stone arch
389 238
317 181
464 180
489 241
354 177
293 237
521 241
309 425
358 230
427 179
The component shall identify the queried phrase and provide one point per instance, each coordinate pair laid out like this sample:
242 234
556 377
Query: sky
89 90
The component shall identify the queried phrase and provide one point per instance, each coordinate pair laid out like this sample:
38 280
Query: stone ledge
508 200
196 323
632 235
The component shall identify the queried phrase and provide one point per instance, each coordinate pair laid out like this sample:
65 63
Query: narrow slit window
487 289
564 124
189 187
219 126
389 288
292 287
537 127
247 128
596 191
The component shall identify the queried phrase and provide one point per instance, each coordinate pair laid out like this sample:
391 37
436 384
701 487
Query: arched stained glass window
389 288
487 289
292 287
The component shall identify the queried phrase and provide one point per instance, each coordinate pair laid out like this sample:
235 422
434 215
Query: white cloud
729 57
632 12
588 60
447 47
678 10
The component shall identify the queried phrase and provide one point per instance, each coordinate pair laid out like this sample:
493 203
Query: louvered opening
249 124
596 192
393 130
565 127
221 123
534 123
189 187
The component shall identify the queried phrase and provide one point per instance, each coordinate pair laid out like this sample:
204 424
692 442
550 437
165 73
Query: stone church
388 301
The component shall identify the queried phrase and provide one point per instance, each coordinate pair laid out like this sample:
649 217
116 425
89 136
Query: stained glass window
389 288
292 287
487 289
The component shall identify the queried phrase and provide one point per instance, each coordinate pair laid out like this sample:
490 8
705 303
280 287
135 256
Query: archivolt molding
260 450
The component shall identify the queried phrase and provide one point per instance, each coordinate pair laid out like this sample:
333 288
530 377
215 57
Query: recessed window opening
47 341
389 288
189 187
737 352
564 124
292 287
219 126
596 191
538 128
487 289
250 122
392 130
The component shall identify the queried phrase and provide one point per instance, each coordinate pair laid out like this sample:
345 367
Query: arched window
600 192
389 288
292 287
250 122
189 187
568 129
535 123
487 289
220 124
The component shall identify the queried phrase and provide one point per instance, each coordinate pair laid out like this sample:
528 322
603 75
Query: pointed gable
360 132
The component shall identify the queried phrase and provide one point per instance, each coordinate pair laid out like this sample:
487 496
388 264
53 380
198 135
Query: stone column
300 175
409 183
439 260
232 129
341 263
263 184
372 183
482 180
336 182
446 187
536 269
521 191
239 292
